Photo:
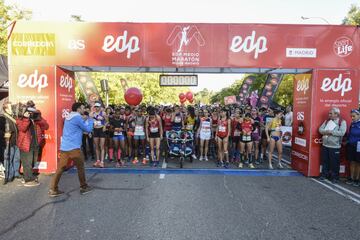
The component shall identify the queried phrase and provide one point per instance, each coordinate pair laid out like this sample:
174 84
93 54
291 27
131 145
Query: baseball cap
97 105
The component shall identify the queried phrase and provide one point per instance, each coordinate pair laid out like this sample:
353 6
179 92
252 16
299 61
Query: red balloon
182 96
191 100
189 96
133 96
182 101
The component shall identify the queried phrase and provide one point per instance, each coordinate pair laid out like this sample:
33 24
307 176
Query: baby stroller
180 145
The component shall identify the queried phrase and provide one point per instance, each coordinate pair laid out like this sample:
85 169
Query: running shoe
85 190
97 163
135 161
201 158
206 159
356 184
101 165
219 164
144 161
241 165
271 167
226 165
251 166
156 163
53 193
280 166
118 165
194 156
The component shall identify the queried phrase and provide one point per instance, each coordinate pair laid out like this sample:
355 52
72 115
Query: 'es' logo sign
337 85
66 82
249 44
121 44
300 116
34 80
302 85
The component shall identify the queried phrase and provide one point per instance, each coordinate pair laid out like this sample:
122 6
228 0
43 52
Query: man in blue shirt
70 148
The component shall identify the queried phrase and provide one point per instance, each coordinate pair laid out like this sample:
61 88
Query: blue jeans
330 159
11 163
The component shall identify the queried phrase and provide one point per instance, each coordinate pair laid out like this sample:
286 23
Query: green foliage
234 89
148 83
353 16
8 14
285 93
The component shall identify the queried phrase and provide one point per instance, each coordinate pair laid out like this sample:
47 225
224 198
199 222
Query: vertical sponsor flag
87 85
245 89
271 85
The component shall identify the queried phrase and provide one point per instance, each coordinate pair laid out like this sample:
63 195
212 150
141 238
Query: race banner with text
245 89
334 88
65 97
37 84
302 124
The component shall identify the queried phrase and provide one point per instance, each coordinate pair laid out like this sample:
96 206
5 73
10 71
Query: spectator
30 125
288 116
353 148
12 154
70 148
333 130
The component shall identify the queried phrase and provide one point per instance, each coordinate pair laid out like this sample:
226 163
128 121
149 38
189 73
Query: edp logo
66 82
302 85
34 80
249 44
337 84
121 44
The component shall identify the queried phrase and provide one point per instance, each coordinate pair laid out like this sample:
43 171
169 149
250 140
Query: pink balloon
189 96
182 96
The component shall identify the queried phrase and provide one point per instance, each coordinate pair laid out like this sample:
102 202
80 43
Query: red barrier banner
302 124
37 84
334 88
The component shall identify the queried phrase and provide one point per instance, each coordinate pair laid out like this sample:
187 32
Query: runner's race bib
177 119
222 129
118 133
154 129
97 123
206 126
246 138
139 130
189 127
237 133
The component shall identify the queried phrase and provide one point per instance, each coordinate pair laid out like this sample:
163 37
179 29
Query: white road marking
162 175
337 191
344 189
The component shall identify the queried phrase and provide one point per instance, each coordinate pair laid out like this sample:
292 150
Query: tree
353 16
285 92
8 14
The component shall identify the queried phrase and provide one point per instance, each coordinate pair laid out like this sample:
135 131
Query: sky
199 11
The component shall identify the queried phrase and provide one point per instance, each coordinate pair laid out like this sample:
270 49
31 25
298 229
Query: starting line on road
237 172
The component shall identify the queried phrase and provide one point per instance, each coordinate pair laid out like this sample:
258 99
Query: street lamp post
307 18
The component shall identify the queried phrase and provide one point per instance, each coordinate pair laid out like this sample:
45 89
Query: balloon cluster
186 96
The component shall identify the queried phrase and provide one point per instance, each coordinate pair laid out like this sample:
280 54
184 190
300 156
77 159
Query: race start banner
44 55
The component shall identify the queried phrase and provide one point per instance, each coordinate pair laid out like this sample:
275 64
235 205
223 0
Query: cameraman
31 126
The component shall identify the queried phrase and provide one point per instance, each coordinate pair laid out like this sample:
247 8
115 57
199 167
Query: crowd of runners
243 136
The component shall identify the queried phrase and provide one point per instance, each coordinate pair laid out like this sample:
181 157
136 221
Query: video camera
33 113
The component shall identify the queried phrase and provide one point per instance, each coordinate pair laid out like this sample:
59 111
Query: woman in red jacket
31 126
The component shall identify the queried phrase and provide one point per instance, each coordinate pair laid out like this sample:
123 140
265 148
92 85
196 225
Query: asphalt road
131 206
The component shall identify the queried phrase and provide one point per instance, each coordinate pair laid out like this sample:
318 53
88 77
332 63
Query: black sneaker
334 181
349 182
86 190
31 184
356 184
322 178
53 193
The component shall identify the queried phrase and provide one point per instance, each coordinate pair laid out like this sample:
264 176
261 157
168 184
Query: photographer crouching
31 126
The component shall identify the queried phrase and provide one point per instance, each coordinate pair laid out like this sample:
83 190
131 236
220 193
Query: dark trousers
330 158
27 161
75 155
90 141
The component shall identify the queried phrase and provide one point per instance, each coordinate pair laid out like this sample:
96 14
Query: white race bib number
237 133
118 133
139 130
154 129
222 129
97 123
189 127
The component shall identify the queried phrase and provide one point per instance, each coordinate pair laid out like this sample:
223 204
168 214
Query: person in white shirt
288 116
